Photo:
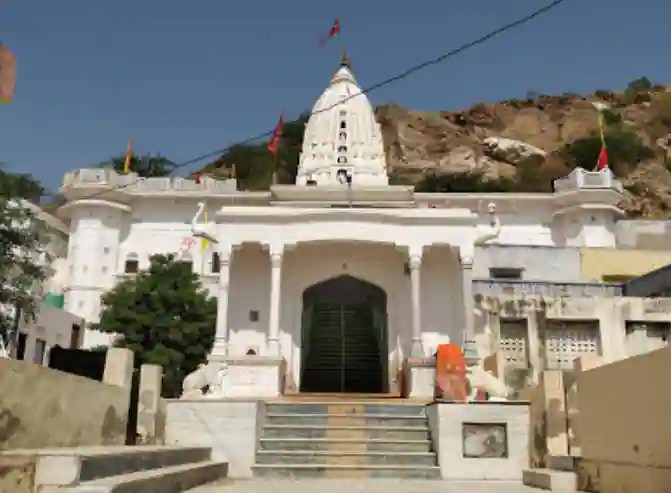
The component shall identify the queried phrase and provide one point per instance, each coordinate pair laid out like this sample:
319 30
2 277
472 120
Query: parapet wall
41 407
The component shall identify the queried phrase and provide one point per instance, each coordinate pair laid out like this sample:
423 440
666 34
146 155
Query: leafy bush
466 182
638 90
611 117
625 149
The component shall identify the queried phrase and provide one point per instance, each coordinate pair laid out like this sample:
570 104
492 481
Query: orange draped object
7 74
451 380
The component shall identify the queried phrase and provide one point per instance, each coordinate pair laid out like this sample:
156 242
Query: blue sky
188 77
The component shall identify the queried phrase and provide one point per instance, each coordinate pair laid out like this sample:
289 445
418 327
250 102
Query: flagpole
276 160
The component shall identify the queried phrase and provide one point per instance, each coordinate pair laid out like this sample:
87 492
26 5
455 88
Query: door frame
347 289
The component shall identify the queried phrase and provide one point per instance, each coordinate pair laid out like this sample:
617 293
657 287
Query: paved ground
361 486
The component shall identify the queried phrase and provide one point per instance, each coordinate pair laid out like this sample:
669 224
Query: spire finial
344 61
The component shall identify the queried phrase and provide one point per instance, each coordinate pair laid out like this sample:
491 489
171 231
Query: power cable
416 68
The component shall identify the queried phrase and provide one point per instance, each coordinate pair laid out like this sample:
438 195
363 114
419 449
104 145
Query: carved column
467 290
275 295
221 337
415 265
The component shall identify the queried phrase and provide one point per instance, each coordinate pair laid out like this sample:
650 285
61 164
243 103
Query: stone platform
327 436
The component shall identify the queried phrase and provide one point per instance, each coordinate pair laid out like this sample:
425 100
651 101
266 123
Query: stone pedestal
480 441
420 378
252 376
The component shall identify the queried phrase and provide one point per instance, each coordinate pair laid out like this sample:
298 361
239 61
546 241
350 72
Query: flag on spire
274 143
602 161
129 156
333 32
7 74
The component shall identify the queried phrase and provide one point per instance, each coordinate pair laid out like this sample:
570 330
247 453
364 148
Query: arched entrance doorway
344 337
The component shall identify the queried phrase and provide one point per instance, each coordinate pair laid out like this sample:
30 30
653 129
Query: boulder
512 151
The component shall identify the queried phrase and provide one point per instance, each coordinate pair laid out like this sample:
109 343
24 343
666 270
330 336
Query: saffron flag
333 32
7 74
602 161
129 156
274 143
205 242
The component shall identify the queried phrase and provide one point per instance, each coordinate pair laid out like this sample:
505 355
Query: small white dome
342 133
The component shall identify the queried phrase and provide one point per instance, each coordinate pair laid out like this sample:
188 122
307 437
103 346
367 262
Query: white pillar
275 291
467 290
415 284
221 337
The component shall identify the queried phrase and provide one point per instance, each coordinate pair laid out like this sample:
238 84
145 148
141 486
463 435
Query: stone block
119 367
420 378
547 479
253 377
150 412
230 427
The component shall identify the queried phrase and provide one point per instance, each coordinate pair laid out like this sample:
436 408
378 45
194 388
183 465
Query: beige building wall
621 326
623 425
617 265
51 327
41 407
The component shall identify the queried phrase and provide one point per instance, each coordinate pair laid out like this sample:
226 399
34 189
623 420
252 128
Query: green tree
146 166
165 317
254 165
22 252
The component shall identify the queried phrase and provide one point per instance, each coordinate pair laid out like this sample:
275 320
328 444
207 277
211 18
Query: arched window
343 135
343 125
132 264
342 160
342 148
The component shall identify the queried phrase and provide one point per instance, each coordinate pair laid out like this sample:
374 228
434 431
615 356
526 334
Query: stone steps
345 471
352 408
346 439
124 468
427 459
173 479
345 445
337 419
328 431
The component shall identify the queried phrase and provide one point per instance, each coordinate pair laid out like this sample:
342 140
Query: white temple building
335 283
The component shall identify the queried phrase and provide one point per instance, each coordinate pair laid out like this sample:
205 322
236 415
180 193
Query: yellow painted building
619 265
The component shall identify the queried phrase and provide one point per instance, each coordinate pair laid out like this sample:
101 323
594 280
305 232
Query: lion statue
205 380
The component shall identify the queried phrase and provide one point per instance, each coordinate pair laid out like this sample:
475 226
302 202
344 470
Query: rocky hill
514 146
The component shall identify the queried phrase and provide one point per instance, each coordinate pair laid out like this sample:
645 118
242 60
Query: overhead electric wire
416 68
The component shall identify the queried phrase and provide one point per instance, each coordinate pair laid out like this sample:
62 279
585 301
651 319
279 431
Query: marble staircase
341 439
121 469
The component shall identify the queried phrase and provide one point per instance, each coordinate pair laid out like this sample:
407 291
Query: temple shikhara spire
342 134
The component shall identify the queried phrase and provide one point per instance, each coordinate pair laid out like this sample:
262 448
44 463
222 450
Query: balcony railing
498 287
103 178
580 179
